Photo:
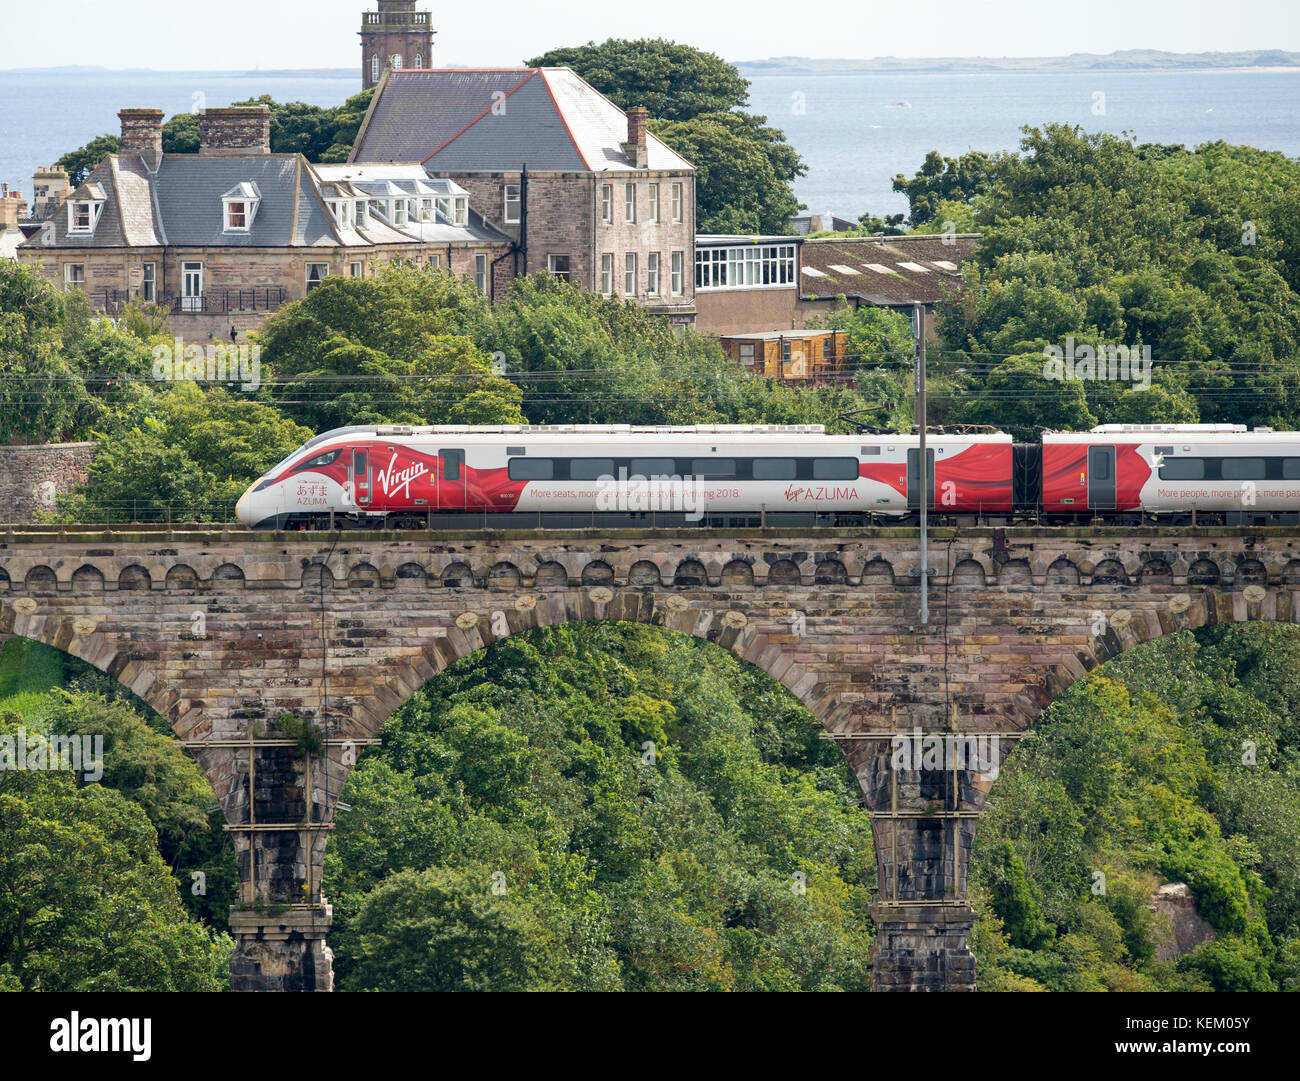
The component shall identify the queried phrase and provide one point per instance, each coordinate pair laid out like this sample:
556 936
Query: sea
854 131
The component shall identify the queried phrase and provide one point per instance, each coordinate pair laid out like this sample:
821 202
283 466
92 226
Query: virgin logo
393 481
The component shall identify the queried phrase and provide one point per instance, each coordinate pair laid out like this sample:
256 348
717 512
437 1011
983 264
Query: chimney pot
142 134
236 131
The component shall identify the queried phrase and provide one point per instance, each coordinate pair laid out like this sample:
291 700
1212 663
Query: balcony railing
394 19
259 298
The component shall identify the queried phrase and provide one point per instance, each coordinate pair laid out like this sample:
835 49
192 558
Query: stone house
223 237
579 186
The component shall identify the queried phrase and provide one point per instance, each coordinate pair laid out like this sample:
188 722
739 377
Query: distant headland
1124 60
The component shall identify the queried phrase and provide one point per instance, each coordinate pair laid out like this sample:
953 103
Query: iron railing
257 298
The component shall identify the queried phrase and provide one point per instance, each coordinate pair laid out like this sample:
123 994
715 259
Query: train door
452 480
1101 478
362 492
914 478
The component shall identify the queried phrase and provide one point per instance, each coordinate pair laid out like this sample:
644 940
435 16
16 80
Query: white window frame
92 208
607 203
652 274
192 271
419 61
607 274
374 68
654 203
481 273
677 201
748 266
396 60
629 274
77 281
435 261
507 202
550 265
149 282
426 210
629 202
227 215
363 211
677 282
462 210
308 283
400 209
357 270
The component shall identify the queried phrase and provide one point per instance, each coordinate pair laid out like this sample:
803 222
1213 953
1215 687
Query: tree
941 181
673 81
81 162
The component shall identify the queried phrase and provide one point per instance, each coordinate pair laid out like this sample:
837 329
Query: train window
1291 468
1183 469
835 469
775 469
321 460
714 468
1244 469
532 469
652 467
590 468
870 450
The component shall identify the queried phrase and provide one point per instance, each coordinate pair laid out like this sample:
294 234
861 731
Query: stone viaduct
240 639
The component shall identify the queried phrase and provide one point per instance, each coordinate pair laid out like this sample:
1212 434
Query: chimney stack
237 131
635 147
49 188
142 134
13 208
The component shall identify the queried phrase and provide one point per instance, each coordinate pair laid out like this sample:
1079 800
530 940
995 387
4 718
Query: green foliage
80 162
601 806
1137 776
942 185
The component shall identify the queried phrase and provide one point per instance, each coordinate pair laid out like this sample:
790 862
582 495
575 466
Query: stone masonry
277 657
31 477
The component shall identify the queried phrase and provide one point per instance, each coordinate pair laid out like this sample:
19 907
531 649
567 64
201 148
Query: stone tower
396 34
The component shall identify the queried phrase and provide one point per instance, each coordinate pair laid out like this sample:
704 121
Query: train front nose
255 507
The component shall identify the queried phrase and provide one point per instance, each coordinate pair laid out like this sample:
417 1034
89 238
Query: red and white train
742 475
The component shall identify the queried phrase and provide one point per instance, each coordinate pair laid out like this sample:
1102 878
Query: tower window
419 61
397 61
374 68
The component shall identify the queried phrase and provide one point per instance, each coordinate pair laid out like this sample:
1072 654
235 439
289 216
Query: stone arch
643 574
1156 571
1062 573
228 574
551 575
410 574
968 574
364 576
504 577
1250 572
1109 572
737 573
1016 573
597 573
1203 572
829 572
878 572
690 572
317 576
784 572
457 576
134 577
87 579
181 576
41 579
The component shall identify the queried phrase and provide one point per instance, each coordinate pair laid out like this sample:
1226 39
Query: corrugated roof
547 119
886 270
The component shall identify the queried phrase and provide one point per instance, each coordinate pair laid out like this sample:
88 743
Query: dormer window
399 212
426 210
239 207
444 210
462 210
363 212
83 215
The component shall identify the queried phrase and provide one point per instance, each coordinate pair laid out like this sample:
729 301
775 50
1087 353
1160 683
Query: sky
243 34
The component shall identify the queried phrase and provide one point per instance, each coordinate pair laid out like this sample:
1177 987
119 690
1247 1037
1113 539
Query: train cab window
1291 468
714 468
835 469
320 461
1244 469
775 469
532 469
1183 469
590 468
652 467
451 463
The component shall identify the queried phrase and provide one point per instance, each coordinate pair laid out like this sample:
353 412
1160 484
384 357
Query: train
567 476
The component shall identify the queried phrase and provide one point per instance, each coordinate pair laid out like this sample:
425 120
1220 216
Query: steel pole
922 465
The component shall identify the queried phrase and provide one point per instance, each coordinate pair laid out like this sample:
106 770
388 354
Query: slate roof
495 120
885 271
181 204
